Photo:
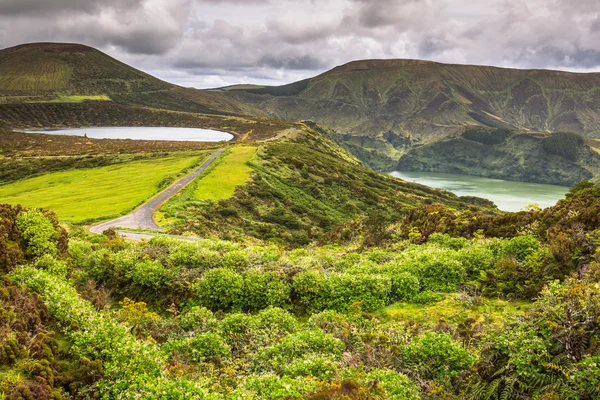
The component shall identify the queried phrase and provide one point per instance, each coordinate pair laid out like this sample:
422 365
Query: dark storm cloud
220 41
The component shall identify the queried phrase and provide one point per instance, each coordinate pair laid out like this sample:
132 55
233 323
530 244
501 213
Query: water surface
508 196
144 133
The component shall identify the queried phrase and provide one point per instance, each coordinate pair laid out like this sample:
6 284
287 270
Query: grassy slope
230 172
87 194
302 187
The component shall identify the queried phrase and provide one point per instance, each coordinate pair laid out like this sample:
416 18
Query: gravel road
141 218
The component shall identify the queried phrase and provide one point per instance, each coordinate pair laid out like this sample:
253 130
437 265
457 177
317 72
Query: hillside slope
428 100
72 73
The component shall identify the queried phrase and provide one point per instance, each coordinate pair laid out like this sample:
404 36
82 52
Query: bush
372 291
312 290
397 386
447 241
38 232
200 347
198 319
475 259
520 246
298 345
264 289
405 286
148 273
437 356
436 270
220 289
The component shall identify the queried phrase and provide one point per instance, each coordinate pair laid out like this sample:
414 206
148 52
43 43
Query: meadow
89 194
229 173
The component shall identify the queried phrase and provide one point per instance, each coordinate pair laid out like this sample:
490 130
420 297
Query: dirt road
141 218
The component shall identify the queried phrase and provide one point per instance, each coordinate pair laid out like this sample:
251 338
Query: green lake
508 196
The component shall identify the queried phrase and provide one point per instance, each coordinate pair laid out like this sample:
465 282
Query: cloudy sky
209 43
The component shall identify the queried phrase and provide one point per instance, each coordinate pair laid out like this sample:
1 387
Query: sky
212 43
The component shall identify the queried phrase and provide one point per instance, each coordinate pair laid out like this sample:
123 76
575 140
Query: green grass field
231 172
79 99
88 194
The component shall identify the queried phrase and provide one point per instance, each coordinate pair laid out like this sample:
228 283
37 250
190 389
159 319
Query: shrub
52 265
397 386
220 289
264 289
447 241
316 366
191 255
437 270
200 347
405 286
372 291
148 273
298 345
38 232
475 259
437 356
312 290
237 260
198 319
520 246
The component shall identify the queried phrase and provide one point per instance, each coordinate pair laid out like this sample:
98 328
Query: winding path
142 217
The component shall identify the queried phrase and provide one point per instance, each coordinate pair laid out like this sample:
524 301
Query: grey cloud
45 7
305 62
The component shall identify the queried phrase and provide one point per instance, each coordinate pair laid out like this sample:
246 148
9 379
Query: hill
427 99
382 109
74 73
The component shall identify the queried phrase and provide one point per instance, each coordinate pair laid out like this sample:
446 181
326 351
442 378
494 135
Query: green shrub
437 356
237 260
520 246
264 289
148 273
397 386
405 286
437 270
52 265
372 291
312 291
198 319
38 232
220 289
200 347
475 259
316 366
298 345
447 241
191 255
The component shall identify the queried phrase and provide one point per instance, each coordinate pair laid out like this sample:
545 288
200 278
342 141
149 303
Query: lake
144 133
508 196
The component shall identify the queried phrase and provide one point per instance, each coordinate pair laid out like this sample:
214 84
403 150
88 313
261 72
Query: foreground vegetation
432 316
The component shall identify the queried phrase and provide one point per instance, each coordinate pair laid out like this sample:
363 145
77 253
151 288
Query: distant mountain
72 73
427 100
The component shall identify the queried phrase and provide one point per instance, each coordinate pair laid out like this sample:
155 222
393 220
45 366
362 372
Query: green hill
73 73
427 99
